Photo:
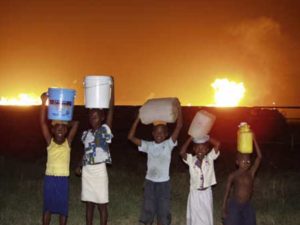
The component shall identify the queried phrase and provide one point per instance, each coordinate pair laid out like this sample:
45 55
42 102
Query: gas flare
228 93
22 100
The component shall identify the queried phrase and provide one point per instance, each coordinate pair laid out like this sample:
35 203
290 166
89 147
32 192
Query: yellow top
58 162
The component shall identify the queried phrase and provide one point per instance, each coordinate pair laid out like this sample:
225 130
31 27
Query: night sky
153 48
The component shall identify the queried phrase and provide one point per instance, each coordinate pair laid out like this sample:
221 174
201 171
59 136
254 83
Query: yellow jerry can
244 138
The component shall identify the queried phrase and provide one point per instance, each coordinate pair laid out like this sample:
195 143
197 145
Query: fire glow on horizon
22 100
228 93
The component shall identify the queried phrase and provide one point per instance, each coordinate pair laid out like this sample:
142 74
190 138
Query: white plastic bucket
97 91
201 124
159 109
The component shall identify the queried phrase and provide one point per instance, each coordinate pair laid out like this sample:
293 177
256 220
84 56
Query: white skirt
94 183
200 207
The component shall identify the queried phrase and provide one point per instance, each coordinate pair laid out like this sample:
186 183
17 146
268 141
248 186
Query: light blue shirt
159 159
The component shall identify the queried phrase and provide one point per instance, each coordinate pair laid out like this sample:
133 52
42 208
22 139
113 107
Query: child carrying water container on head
202 178
96 154
238 209
157 184
56 181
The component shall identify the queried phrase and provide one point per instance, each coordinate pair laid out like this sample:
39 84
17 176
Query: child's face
243 161
60 131
160 133
95 118
200 150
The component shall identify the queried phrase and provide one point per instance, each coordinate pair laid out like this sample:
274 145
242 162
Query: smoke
263 49
257 35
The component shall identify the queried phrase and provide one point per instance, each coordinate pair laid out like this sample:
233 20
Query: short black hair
161 125
206 144
98 111
240 155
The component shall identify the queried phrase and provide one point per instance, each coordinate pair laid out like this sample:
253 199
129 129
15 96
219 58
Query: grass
276 196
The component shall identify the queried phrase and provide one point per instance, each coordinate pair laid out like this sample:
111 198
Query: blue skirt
56 195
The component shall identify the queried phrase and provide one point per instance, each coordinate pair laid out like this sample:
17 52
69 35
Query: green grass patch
276 196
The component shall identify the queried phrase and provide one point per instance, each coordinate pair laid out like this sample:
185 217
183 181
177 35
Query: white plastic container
159 109
97 91
201 124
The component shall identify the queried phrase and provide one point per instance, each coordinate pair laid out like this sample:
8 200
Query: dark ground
23 160
21 136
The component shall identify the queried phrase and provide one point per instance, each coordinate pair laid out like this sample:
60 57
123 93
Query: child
96 154
202 177
157 185
56 182
238 210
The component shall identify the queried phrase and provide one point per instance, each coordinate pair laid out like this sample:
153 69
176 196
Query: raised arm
184 148
131 134
73 130
110 113
43 123
227 192
258 157
179 124
215 143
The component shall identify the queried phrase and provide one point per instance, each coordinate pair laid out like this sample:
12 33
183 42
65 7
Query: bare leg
62 220
46 218
89 212
103 213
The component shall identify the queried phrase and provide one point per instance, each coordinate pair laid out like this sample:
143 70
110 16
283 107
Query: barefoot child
202 177
238 210
56 182
157 184
96 154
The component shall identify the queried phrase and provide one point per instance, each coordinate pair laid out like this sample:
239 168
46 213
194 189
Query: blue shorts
56 195
240 213
157 197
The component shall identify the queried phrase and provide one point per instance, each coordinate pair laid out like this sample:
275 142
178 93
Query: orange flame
228 93
22 100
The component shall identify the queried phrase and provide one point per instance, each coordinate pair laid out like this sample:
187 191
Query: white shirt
207 169
159 158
